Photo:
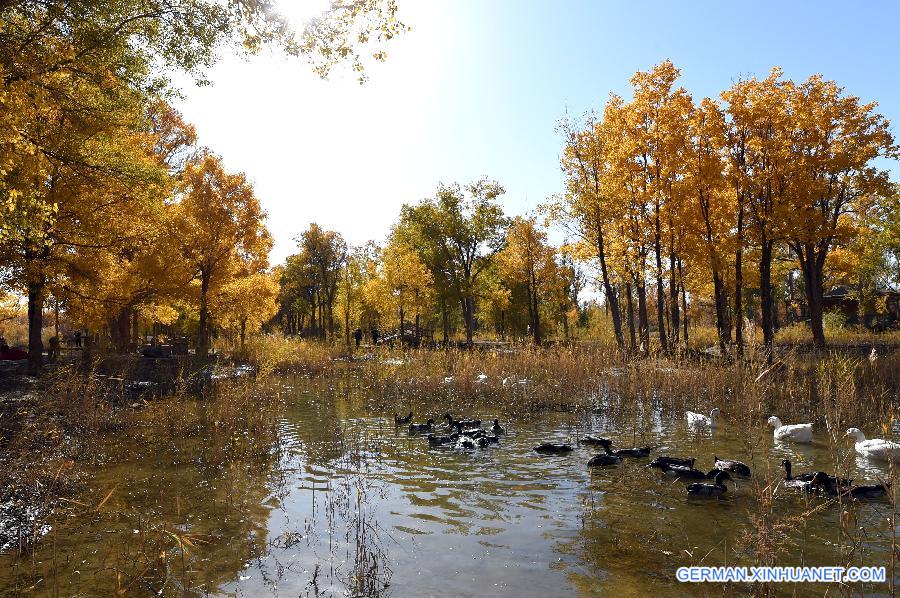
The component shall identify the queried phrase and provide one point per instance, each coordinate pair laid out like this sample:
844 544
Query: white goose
793 432
698 420
876 448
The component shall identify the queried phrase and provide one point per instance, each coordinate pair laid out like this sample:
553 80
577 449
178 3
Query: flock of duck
463 434
468 434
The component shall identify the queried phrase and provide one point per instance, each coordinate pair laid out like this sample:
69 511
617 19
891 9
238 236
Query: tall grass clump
837 332
272 353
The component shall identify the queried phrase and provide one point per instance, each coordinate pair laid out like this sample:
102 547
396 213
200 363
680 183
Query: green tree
459 231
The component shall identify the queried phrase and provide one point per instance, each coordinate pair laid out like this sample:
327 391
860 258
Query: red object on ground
13 354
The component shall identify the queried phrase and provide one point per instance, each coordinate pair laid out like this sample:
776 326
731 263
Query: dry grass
798 335
274 353
837 389
837 335
835 392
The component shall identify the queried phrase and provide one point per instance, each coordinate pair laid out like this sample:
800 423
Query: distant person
357 336
375 336
77 337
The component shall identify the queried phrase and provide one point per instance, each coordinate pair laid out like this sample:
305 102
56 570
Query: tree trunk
202 330
811 262
789 297
611 299
347 326
532 310
765 291
814 297
445 319
468 318
660 298
135 328
629 301
123 330
668 322
643 320
401 326
723 325
721 307
775 324
243 332
35 324
120 329
673 300
739 285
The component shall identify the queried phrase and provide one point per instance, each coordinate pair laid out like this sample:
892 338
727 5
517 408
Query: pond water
345 502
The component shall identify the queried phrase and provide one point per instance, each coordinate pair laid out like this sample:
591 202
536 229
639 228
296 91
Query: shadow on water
343 502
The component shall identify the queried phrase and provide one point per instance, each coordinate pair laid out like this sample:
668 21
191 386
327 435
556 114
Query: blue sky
477 87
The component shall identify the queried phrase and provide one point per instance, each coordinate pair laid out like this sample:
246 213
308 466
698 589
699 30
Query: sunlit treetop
143 39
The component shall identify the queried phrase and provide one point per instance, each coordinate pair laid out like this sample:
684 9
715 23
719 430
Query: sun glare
300 12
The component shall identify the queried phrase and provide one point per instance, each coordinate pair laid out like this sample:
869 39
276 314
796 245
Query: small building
845 300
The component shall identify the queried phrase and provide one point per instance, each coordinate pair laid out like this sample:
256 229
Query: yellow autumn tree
244 303
403 285
656 125
220 232
359 268
138 276
78 194
835 139
590 207
710 205
528 260
760 167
